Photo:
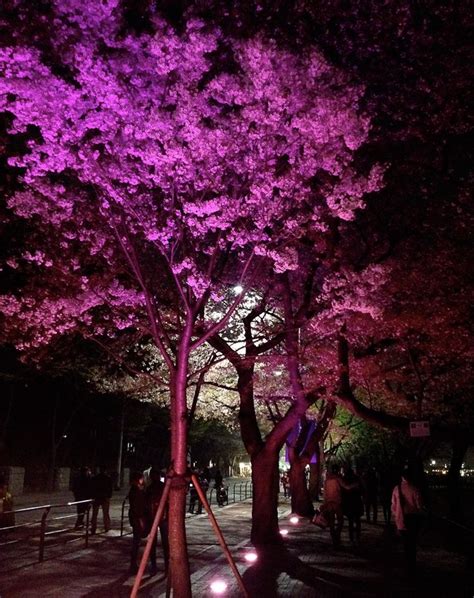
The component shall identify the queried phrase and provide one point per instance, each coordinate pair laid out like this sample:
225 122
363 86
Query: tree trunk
6 420
460 446
265 480
315 475
118 479
179 560
301 503
53 448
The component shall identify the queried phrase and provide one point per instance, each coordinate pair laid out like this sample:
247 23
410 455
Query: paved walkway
308 566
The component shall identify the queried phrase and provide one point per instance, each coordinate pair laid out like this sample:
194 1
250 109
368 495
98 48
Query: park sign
419 429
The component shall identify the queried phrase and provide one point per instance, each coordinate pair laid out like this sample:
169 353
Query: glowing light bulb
251 557
218 586
238 289
284 532
294 520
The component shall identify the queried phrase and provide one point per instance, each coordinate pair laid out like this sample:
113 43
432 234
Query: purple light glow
284 532
294 519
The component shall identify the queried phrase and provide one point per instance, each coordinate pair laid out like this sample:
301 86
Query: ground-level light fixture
294 519
218 586
284 532
251 556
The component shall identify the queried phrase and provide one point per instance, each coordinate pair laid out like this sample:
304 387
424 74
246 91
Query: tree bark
118 480
265 480
179 560
53 447
315 477
459 448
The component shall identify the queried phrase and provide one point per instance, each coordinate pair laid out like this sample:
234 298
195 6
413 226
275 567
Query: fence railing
10 535
41 527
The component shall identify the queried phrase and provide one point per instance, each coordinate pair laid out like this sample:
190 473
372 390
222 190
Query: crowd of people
99 488
205 477
146 490
348 495
144 498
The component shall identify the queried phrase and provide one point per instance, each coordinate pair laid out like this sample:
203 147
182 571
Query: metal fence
239 492
47 521
43 527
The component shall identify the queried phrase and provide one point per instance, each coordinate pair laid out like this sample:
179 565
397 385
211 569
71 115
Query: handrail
43 521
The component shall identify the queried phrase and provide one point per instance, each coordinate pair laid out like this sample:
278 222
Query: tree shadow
119 589
262 578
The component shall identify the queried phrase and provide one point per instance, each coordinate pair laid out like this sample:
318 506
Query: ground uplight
284 532
294 519
251 557
218 586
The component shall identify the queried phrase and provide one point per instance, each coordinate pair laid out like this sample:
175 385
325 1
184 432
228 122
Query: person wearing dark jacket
82 490
154 492
352 504
370 486
139 518
101 493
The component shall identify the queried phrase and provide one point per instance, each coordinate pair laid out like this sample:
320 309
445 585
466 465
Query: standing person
207 475
138 515
332 505
82 490
387 484
154 492
352 504
101 493
221 494
370 483
218 479
407 507
204 483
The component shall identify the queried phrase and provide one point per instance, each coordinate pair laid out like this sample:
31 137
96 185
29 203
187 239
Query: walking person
101 493
352 504
204 483
82 490
139 517
193 495
370 485
387 484
407 509
332 505
218 479
154 492
285 482
221 492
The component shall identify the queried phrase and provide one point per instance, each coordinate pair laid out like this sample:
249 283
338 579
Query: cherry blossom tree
161 169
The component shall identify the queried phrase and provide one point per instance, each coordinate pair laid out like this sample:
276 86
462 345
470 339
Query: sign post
419 429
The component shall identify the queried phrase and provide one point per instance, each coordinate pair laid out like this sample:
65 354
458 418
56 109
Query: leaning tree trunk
179 561
265 480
